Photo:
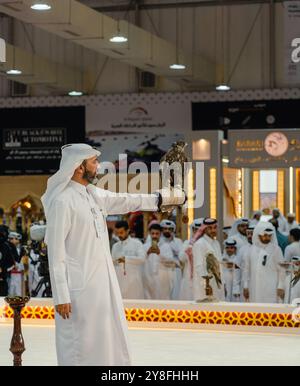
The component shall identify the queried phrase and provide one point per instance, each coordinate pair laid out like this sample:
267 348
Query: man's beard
265 242
90 177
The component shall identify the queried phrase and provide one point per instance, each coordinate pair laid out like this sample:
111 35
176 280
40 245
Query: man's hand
64 310
153 250
246 293
280 293
285 265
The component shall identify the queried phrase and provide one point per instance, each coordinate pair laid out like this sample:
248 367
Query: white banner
292 36
144 131
157 115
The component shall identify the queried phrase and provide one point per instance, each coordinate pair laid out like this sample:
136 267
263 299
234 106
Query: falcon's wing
296 278
213 267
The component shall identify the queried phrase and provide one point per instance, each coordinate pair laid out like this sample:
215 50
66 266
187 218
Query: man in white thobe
256 217
16 282
186 257
207 244
91 328
244 253
264 277
129 257
295 286
226 231
157 283
291 222
231 269
168 236
239 232
292 251
282 222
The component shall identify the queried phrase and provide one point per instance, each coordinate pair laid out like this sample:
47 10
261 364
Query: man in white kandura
282 222
239 232
187 259
157 252
231 269
91 327
168 236
256 217
291 222
16 273
291 257
129 258
205 245
263 275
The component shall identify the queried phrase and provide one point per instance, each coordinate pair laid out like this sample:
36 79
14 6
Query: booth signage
264 148
31 138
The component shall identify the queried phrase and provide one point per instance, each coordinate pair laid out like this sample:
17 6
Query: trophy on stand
213 270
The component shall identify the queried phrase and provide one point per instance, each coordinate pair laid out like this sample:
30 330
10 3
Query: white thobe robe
16 280
243 256
232 278
290 226
283 225
176 246
201 248
290 251
186 287
82 273
151 274
240 239
130 274
264 280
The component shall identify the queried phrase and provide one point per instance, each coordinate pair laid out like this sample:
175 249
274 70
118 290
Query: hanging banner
254 114
291 42
31 138
265 149
142 131
156 115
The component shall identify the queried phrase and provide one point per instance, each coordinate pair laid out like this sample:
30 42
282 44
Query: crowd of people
257 261
19 264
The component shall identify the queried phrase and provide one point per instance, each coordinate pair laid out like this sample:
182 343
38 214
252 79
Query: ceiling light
40 6
118 39
75 93
14 72
177 66
223 87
